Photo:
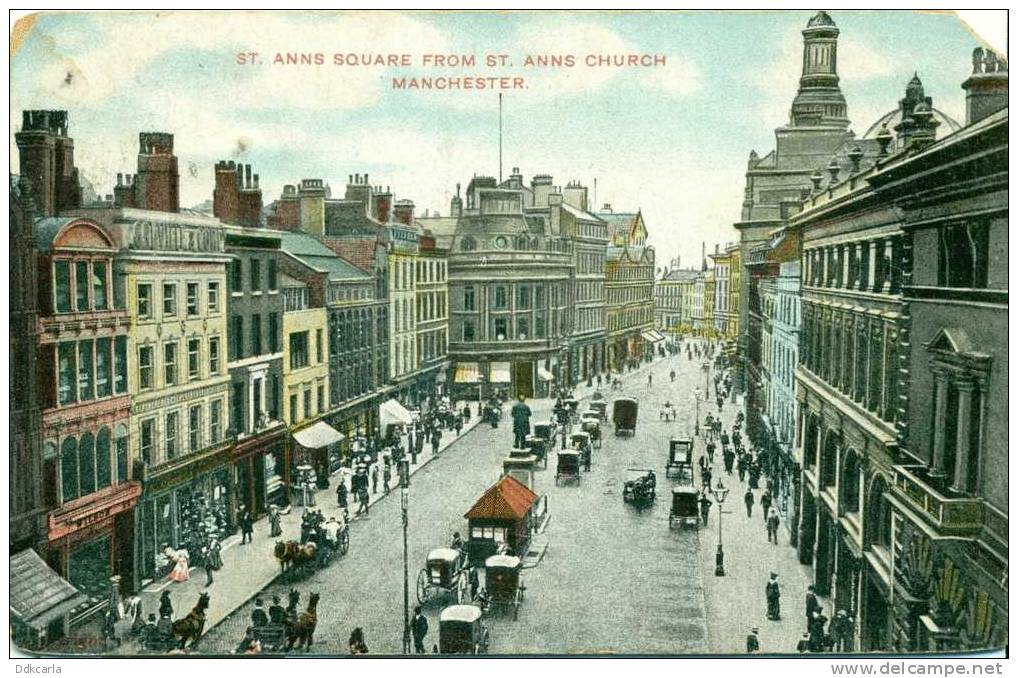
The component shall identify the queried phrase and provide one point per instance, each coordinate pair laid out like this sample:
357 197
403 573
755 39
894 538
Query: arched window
468 244
878 514
850 482
103 469
86 464
120 443
829 461
810 443
69 469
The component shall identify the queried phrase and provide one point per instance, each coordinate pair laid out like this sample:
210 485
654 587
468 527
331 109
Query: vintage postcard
410 333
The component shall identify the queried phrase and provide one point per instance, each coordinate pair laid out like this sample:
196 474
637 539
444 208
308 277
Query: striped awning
653 336
467 373
500 373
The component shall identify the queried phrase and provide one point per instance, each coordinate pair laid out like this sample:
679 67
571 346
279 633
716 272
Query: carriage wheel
423 587
516 605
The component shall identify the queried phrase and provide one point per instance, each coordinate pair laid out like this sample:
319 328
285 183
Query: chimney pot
120 178
256 181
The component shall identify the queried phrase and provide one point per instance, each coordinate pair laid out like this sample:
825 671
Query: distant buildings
673 300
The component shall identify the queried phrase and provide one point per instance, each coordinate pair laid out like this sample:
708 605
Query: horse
294 554
191 626
303 631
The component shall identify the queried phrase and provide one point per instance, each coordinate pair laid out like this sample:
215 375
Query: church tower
819 101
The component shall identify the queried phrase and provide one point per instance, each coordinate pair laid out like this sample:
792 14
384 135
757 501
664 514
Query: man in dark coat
753 641
729 460
705 505
341 494
765 504
419 629
258 616
750 500
773 592
710 451
246 525
436 439
521 423
811 604
277 613
418 447
817 631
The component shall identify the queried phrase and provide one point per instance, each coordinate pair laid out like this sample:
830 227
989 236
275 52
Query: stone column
846 256
940 405
963 448
871 274
888 259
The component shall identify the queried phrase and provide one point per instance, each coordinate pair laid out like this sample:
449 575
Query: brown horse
191 626
292 553
303 632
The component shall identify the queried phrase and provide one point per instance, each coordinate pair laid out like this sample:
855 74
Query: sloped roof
310 251
508 499
37 592
680 275
344 217
619 223
579 214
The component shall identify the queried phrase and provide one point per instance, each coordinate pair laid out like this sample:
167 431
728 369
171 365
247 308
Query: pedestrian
418 448
386 477
811 604
458 425
724 439
710 451
246 526
475 583
750 500
356 642
274 516
213 559
650 379
436 439
672 375
258 616
165 605
277 614
742 466
374 479
705 505
521 414
706 477
753 641
817 632
841 632
419 629
341 494
410 442
148 632
802 646
773 521
599 381
765 504
729 457
110 629
773 593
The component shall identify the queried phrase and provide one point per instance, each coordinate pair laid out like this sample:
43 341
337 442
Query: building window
256 275
169 299
523 296
273 277
99 296
298 350
501 298
103 380
170 364
468 330
120 364
213 294
144 301
86 465
145 367
67 373
469 302
213 356
293 408
963 255
274 411
192 298
103 469
273 332
321 397
62 286
237 407
120 447
539 326
81 286
319 346
69 469
256 334
193 351
307 403
238 337
215 421
468 244
501 329
236 275
147 442
194 428
171 434
523 328
85 374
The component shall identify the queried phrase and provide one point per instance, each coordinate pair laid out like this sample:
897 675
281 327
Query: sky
672 140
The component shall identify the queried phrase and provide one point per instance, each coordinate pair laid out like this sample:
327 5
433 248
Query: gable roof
508 499
620 224
38 594
311 252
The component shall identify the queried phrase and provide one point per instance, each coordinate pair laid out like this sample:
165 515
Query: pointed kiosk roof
508 499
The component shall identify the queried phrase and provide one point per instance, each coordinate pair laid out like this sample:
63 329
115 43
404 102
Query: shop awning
467 373
392 412
544 375
500 373
318 435
39 595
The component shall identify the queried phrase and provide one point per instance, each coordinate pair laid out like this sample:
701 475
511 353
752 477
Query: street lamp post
696 425
720 493
404 482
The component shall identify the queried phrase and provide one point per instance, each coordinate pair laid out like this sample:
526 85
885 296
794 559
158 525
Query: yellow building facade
305 355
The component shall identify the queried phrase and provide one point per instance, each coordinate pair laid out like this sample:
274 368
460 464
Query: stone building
254 307
236 198
946 496
629 305
432 312
673 294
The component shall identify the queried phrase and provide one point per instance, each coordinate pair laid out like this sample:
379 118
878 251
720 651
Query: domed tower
819 101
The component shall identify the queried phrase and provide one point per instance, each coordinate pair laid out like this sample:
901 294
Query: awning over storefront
544 375
318 435
38 594
653 336
467 373
500 373
392 412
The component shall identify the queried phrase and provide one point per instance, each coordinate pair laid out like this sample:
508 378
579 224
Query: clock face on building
501 242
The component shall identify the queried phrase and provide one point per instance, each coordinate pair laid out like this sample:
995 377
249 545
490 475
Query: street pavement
613 579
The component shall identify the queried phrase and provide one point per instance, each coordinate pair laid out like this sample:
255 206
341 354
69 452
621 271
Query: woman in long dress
180 570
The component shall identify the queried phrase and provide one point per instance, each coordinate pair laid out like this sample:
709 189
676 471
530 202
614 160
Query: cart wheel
423 586
516 605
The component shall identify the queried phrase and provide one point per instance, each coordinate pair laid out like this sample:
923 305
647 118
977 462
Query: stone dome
821 18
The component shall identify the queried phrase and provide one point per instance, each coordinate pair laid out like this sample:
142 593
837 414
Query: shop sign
174 237
100 513
192 468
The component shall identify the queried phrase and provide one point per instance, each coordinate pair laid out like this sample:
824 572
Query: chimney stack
46 160
157 184
986 88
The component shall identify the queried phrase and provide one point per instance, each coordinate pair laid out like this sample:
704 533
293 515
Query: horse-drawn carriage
580 441
460 631
680 459
168 636
624 412
572 406
538 447
295 629
568 468
491 413
504 585
592 427
640 486
599 405
324 542
445 571
685 508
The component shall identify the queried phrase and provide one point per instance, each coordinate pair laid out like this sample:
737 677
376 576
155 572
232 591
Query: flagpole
500 137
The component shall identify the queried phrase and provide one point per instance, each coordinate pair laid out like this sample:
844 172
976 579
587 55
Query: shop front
317 453
261 471
91 542
181 502
41 601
